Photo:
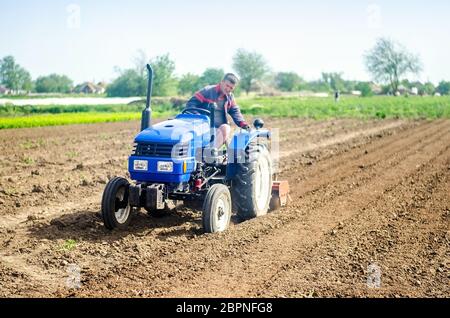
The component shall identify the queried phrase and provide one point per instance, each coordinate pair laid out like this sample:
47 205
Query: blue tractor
174 160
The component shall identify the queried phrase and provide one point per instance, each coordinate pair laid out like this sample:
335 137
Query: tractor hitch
151 197
280 194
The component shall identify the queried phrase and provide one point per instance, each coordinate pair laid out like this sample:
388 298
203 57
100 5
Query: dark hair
231 78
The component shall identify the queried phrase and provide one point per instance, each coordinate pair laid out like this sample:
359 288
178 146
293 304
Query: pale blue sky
303 36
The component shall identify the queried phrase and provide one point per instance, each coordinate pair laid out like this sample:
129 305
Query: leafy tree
364 88
250 66
334 81
386 90
427 89
422 89
211 76
164 82
287 81
405 83
317 86
26 81
129 83
133 82
443 88
388 62
14 76
188 84
53 83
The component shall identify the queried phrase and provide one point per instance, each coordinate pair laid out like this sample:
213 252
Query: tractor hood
182 129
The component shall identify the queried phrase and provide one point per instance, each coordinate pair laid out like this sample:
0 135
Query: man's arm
235 113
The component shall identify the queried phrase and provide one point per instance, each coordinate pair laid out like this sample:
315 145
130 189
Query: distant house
4 90
401 90
102 87
89 88
376 89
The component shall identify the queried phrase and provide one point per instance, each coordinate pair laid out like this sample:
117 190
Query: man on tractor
222 98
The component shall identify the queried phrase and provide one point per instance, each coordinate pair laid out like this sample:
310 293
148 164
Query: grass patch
72 154
27 145
28 160
349 107
55 95
159 105
69 245
11 110
69 119
381 107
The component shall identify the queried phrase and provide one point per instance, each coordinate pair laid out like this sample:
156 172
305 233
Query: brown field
363 194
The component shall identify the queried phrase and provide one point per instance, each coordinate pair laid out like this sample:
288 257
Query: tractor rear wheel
217 209
252 186
116 211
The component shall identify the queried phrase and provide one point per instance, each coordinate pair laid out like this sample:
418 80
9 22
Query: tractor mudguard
236 149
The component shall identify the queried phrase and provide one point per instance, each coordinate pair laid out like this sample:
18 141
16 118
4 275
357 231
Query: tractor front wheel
116 211
217 209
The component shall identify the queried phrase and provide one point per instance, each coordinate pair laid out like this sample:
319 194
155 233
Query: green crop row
11 110
70 119
317 108
349 107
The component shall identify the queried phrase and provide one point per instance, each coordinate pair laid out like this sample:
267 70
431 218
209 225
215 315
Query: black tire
217 209
116 211
252 186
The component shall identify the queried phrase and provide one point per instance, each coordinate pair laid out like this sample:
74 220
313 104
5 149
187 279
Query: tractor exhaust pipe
146 121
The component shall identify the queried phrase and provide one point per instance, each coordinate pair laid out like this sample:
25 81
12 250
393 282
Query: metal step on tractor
174 161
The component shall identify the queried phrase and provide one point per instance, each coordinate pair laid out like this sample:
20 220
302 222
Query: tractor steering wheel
193 110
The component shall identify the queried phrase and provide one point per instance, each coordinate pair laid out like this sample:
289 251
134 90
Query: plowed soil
369 216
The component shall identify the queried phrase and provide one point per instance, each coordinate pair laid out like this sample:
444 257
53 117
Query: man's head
229 82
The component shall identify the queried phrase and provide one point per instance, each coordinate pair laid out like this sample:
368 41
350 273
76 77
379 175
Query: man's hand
246 127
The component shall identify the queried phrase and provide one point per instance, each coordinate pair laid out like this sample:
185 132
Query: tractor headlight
140 165
165 166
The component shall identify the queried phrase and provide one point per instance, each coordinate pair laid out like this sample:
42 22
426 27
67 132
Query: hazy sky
86 39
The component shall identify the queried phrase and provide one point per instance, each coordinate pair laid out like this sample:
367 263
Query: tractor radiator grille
161 150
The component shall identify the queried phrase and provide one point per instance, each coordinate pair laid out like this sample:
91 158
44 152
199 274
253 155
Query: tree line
388 62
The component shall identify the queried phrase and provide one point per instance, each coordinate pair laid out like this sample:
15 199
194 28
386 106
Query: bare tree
388 61
140 61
